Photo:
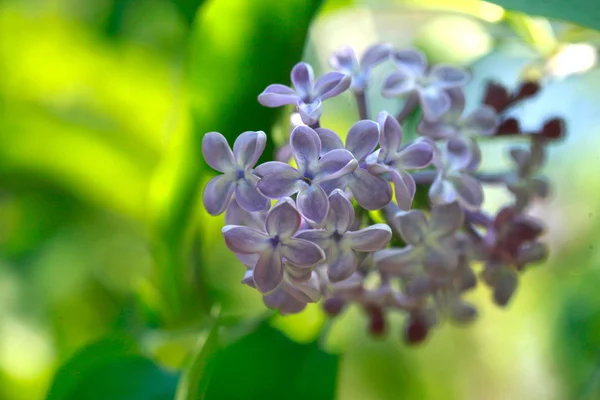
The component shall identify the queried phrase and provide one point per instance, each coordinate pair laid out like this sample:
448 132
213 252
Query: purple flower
272 246
430 85
340 243
453 181
345 60
281 180
523 182
392 158
236 166
429 244
371 191
308 94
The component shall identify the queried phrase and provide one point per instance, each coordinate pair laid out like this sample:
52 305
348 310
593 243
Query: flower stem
361 103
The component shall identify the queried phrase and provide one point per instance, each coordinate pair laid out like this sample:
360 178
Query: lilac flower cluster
306 231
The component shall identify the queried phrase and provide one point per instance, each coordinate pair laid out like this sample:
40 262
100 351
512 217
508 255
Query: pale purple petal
519 156
404 189
446 77
297 274
302 253
277 95
458 153
216 152
307 291
217 194
396 261
374 55
391 134
372 238
248 196
306 147
277 168
445 219
329 140
482 121
283 220
332 84
372 192
416 155
236 215
268 272
248 147
410 60
434 102
469 190
249 260
284 302
341 263
313 203
320 237
341 213
437 129
439 260
248 278
412 226
335 164
303 79
278 179
344 60
241 239
310 113
398 83
441 191
362 139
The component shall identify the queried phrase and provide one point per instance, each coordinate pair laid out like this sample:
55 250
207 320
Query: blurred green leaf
111 369
265 364
582 12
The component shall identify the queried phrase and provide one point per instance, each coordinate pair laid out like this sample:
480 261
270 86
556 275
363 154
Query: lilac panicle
395 159
345 61
307 94
237 178
429 84
340 243
370 190
273 245
279 179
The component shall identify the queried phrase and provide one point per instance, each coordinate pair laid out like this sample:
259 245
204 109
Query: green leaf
265 364
582 12
111 369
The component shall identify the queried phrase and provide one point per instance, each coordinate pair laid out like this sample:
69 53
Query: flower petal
329 140
412 226
248 196
362 139
310 113
458 154
303 79
241 239
390 137
374 55
445 219
306 147
437 129
341 263
217 194
249 260
410 60
341 213
216 152
236 215
268 272
396 261
320 237
482 121
335 164
416 155
281 300
446 77
469 191
248 147
441 191
313 203
283 220
398 83
434 102
372 238
332 84
404 187
372 192
278 179
306 291
344 60
277 95
302 253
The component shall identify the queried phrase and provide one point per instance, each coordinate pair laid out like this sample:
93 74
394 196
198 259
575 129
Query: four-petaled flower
237 175
272 246
308 94
430 85
392 158
340 243
345 60
429 244
279 179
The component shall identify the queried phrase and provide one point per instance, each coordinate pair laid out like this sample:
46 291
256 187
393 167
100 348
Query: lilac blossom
237 179
370 190
524 183
346 61
339 243
279 179
273 245
307 94
395 159
429 84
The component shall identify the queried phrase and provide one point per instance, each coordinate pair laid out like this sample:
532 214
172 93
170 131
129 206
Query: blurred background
103 104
